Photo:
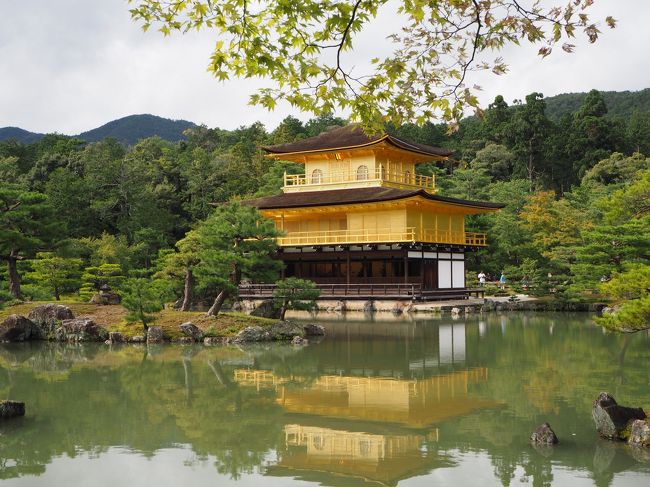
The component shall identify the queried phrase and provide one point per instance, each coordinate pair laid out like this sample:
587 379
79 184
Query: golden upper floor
348 158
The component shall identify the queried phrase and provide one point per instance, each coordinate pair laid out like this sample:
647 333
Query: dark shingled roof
356 195
348 137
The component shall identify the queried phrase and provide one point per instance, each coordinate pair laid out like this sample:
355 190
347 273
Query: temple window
316 176
362 173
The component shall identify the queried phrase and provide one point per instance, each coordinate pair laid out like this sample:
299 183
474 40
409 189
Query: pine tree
236 243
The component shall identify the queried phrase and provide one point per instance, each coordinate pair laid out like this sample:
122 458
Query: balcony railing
311 181
409 234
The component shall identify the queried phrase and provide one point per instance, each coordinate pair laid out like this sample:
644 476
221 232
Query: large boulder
544 435
192 331
17 328
80 330
266 309
611 419
48 317
253 334
106 298
116 337
639 432
11 409
285 330
154 334
313 330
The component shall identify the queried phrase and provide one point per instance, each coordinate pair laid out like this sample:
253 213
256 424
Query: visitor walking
481 278
502 281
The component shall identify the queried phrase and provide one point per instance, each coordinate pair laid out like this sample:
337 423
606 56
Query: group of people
482 279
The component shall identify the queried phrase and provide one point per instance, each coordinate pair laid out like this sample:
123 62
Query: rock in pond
285 330
11 409
611 419
48 317
192 331
137 339
154 334
544 435
17 328
313 330
115 337
299 341
252 334
639 432
266 309
80 330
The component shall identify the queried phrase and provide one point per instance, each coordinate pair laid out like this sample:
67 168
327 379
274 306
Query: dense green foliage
577 196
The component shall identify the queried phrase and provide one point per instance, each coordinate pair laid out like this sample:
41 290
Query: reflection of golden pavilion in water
396 416
414 403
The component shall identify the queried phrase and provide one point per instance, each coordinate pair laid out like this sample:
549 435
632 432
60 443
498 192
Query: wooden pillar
347 265
406 267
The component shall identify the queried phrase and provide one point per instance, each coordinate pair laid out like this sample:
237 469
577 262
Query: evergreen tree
26 225
530 129
294 293
236 243
182 264
57 274
142 297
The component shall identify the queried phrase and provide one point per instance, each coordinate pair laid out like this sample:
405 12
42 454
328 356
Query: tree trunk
14 277
218 302
530 163
57 294
189 290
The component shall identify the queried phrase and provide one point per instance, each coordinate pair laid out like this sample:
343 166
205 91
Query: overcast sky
71 65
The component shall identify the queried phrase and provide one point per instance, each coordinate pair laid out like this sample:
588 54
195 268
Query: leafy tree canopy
301 48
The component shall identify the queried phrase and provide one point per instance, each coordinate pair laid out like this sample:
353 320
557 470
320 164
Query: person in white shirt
481 278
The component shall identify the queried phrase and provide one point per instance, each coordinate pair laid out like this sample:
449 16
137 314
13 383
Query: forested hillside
619 103
127 130
19 135
577 194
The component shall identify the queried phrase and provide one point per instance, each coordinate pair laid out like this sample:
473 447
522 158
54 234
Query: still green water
410 403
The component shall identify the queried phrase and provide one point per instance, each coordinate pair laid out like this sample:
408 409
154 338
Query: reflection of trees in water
89 398
130 397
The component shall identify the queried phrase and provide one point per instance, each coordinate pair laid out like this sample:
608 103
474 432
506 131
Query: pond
409 403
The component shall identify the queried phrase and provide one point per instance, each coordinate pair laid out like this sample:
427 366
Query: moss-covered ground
113 318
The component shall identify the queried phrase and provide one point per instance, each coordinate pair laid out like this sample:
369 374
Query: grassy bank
113 318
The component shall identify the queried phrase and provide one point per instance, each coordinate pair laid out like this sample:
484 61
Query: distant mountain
18 134
619 103
128 130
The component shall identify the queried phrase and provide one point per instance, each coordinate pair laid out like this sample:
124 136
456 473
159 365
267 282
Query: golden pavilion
361 223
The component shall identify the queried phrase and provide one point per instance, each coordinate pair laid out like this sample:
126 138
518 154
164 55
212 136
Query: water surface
409 403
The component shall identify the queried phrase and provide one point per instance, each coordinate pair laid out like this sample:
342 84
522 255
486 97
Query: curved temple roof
356 196
351 137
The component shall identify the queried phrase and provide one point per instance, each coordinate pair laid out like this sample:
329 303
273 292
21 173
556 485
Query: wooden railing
379 175
409 234
367 291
